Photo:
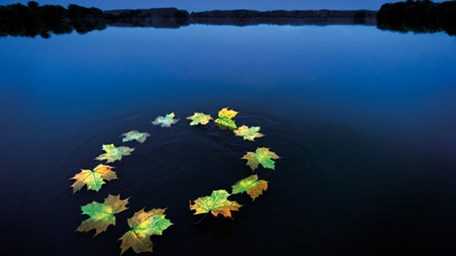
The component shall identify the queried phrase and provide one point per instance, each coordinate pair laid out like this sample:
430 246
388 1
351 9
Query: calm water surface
364 120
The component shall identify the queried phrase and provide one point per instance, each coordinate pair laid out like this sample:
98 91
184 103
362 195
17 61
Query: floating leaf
251 185
228 113
93 179
101 215
165 121
199 118
135 135
249 133
225 119
114 153
217 203
143 225
261 156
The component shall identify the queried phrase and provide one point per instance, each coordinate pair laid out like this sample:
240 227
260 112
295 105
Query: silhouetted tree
32 4
86 19
33 20
418 16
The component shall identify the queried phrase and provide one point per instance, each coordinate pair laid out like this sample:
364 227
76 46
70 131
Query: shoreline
174 18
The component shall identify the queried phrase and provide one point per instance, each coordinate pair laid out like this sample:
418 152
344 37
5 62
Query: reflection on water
362 118
174 18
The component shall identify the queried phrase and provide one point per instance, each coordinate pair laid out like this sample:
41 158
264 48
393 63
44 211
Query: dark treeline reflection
174 18
418 17
32 20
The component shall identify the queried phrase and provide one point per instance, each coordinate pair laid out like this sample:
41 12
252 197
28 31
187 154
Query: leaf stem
205 215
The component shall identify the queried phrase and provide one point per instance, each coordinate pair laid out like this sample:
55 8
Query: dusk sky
196 5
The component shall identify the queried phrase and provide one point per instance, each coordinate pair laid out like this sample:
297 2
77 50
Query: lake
363 119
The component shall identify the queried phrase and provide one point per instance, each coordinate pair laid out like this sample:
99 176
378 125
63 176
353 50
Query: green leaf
261 156
101 215
165 121
93 179
217 203
140 137
143 225
199 118
225 119
249 133
114 153
226 123
251 185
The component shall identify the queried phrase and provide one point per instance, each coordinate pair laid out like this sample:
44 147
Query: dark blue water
364 121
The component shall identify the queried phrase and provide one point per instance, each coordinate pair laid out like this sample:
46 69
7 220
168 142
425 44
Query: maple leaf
143 225
261 156
251 185
93 179
249 133
199 118
101 215
165 121
135 135
217 203
225 119
113 153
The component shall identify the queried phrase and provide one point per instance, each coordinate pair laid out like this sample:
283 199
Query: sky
199 5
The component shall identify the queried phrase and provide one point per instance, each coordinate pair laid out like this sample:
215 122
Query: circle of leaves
144 224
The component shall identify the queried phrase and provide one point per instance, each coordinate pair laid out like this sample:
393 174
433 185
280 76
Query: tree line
33 20
418 16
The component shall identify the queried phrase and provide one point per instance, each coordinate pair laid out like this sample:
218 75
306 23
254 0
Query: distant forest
32 20
418 17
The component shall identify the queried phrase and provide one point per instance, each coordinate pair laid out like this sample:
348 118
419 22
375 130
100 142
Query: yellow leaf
199 118
217 203
93 179
143 225
228 113
251 185
249 133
